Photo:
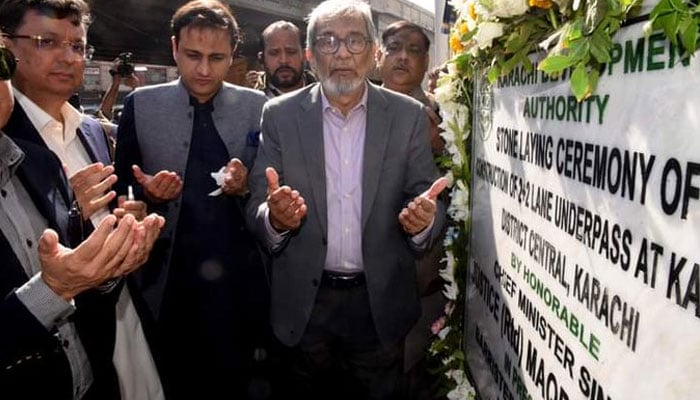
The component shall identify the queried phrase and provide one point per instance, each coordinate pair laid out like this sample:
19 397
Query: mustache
402 66
285 68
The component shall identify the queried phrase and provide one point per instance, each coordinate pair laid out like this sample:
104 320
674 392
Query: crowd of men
229 229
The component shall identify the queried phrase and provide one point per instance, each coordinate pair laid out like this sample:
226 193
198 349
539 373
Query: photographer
122 71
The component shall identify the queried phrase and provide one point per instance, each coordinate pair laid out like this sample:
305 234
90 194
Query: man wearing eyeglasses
48 37
403 60
344 189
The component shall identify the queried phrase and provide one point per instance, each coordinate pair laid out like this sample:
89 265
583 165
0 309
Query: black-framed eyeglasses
395 47
329 44
78 47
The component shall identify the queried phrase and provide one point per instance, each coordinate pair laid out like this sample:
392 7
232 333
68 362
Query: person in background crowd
237 72
119 76
283 60
48 37
343 191
433 77
56 311
403 60
185 146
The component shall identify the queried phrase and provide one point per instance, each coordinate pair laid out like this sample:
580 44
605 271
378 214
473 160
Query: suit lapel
94 141
42 176
20 127
376 139
311 138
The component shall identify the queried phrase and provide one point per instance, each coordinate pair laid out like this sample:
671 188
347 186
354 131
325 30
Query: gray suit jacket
155 132
398 165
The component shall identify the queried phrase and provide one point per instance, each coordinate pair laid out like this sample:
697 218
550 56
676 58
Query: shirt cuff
420 240
46 306
98 216
273 237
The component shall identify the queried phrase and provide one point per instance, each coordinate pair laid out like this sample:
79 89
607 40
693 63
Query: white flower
503 8
451 290
486 32
443 333
459 206
563 5
463 390
450 180
448 273
445 93
454 152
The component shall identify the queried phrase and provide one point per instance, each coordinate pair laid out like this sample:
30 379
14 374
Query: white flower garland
455 132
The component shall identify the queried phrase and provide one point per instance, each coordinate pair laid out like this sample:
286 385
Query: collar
40 118
10 158
207 106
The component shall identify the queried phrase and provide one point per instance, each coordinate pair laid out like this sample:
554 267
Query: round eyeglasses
77 47
329 44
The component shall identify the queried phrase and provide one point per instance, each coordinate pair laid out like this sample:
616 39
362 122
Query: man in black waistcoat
204 288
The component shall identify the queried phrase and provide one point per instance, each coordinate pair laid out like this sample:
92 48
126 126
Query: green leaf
595 12
679 6
579 82
513 62
593 78
580 51
518 38
553 64
690 36
600 45
494 73
574 31
669 24
662 7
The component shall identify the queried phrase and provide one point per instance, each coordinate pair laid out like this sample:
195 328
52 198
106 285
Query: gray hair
339 8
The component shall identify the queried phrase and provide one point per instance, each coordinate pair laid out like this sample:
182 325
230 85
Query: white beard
336 87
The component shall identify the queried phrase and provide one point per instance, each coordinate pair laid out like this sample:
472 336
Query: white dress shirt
343 146
138 377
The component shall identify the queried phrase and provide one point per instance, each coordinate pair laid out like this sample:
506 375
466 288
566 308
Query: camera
124 65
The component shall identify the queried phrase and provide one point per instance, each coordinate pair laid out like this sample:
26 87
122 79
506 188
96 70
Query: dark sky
138 26
143 28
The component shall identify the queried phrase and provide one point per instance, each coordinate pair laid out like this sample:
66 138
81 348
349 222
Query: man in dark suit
205 287
356 199
402 61
55 317
49 39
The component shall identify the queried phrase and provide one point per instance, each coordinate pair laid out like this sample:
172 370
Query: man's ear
378 55
261 57
173 43
310 58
